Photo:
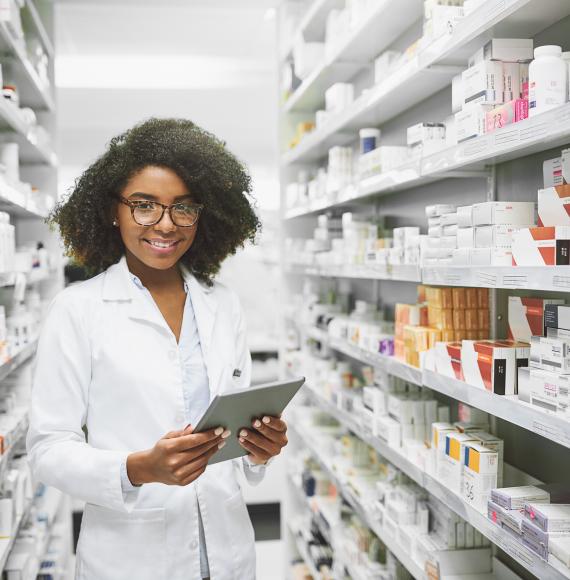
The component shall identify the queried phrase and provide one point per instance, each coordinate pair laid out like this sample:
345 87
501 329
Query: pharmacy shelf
18 359
401 273
391 543
313 24
376 32
468 159
432 70
509 408
302 549
540 421
16 202
31 148
532 135
312 505
6 544
497 535
32 91
40 28
552 278
390 364
405 177
402 90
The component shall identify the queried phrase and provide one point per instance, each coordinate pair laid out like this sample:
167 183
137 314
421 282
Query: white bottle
547 80
566 59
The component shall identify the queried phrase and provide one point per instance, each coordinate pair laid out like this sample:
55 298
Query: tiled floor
270 560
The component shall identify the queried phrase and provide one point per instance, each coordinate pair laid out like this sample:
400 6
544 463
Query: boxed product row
537 516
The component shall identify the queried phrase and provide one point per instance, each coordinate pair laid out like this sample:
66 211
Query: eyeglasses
149 213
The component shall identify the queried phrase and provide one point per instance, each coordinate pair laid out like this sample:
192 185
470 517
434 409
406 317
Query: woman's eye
145 206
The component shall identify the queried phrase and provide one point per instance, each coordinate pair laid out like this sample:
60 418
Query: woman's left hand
265 440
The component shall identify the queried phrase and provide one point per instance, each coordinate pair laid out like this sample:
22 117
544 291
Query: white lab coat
108 360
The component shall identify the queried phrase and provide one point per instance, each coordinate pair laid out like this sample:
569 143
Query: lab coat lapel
119 286
205 307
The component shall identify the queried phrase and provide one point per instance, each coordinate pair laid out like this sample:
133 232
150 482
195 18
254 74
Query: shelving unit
481 169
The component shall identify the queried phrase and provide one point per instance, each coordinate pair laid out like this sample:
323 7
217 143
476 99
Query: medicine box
497 236
495 444
449 465
559 547
479 475
549 517
491 257
504 49
551 354
541 246
448 359
557 316
511 112
554 206
549 390
535 538
489 365
422 132
516 213
465 237
552 177
515 498
526 316
470 121
465 216
483 83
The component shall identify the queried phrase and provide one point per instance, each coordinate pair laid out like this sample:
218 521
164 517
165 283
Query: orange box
448 335
459 298
446 298
483 319
471 334
472 298
459 320
483 297
421 293
434 296
472 319
483 334
399 348
424 315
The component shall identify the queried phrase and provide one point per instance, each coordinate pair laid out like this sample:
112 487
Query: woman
136 354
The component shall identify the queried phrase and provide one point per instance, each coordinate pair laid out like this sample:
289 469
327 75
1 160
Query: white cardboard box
554 206
497 236
483 83
471 120
526 316
489 365
505 49
542 246
516 213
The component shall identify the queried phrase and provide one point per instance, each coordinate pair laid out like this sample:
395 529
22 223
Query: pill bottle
547 80
566 59
369 139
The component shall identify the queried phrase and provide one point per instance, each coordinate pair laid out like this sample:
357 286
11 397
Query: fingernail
222 444
219 431
226 434
243 433
257 424
266 420
241 440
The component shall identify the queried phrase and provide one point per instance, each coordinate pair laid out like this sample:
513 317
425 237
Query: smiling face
159 246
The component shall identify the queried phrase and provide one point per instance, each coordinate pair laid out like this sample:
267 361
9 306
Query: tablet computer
238 408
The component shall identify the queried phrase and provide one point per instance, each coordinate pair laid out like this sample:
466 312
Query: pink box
511 112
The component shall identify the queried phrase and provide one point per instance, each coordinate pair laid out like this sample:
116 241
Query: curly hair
214 176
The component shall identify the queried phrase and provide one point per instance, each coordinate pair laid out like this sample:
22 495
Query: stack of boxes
443 314
493 91
547 380
549 243
479 234
537 516
468 459
425 139
382 160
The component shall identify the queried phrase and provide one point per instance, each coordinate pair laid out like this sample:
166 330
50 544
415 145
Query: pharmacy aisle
425 176
35 521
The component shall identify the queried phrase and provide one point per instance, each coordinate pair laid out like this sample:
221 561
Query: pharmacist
136 353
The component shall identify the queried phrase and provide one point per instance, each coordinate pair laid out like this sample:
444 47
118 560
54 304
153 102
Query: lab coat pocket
114 544
242 537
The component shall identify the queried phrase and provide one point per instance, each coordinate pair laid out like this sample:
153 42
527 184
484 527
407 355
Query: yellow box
483 297
483 319
472 319
459 320
459 300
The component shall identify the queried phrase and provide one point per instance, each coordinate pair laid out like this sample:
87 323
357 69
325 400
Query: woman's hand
265 440
178 458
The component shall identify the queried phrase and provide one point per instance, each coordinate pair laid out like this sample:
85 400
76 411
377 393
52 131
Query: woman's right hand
178 458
